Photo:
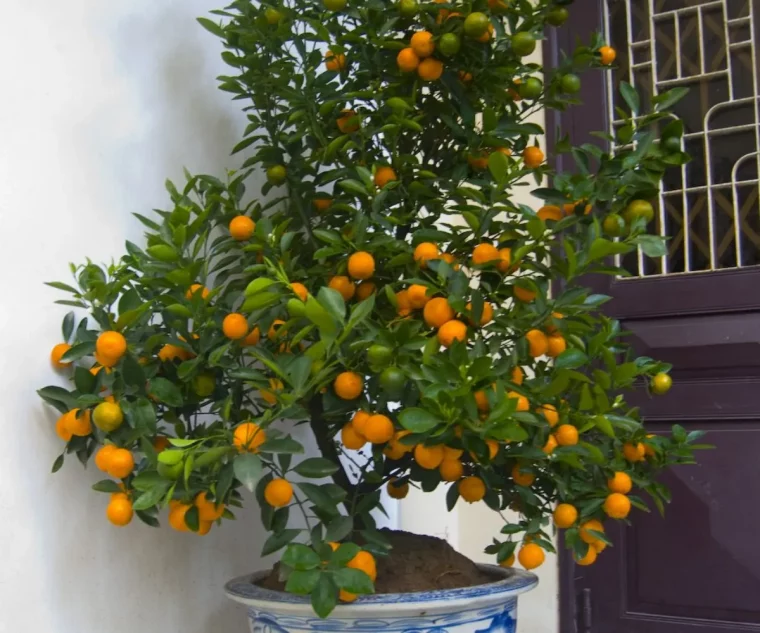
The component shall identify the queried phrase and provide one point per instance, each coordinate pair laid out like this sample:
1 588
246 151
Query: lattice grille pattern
709 208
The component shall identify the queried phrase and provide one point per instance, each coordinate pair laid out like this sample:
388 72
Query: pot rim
513 582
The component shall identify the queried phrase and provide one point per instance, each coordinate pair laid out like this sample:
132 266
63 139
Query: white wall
101 101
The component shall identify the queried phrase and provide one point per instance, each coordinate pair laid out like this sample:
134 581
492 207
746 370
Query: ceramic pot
490 608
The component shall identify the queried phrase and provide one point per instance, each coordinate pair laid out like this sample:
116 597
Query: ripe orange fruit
620 482
364 561
384 175
422 44
110 347
472 489
450 259
103 457
485 253
344 286
278 493
608 55
478 162
119 511
557 345
322 204
533 157
525 295
177 512
270 395
359 421
335 62
361 265
254 336
549 411
599 546
161 443
523 404
351 439
550 212
565 515
242 228
348 122
120 463
589 558
364 290
430 69
428 457
617 505
407 60
507 562
235 326
80 426
464 76
56 353
649 450
481 401
61 428
452 331
424 252
634 452
451 470
197 289
592 524
437 312
397 491
248 436
538 343
551 444
208 510
404 304
300 290
531 556
571 206
348 385
487 35
522 478
418 296
378 429
549 325
171 352
505 260
567 435
517 376
397 447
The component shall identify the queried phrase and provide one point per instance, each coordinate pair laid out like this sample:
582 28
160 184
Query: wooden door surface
697 569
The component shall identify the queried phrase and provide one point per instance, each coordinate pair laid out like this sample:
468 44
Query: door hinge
584 611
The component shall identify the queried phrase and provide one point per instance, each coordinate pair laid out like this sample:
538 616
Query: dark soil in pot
416 563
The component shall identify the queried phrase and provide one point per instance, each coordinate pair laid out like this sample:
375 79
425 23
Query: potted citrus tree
386 290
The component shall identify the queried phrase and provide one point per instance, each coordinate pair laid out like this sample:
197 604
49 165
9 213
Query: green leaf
248 469
177 309
166 391
354 581
141 414
318 496
316 467
107 485
257 285
339 528
571 359
84 380
132 372
301 557
417 420
653 245
212 27
324 598
586 401
277 541
302 582
61 286
333 302
668 99
282 445
601 248
163 253
58 394
67 328
151 497
146 481
259 301
319 316
631 96
79 351
498 166
604 425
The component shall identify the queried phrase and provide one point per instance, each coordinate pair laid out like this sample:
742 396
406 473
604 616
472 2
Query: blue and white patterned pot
490 608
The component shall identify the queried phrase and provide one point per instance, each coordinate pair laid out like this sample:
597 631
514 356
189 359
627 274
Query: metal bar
692 78
702 189
686 10
700 35
735 198
655 90
677 45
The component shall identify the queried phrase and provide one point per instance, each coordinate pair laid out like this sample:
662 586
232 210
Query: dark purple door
698 569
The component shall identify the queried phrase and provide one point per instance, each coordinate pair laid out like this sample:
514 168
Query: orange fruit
397 491
248 436
570 208
80 426
565 515
464 76
404 304
322 204
351 439
567 435
550 326
364 290
481 401
378 429
103 457
270 395
517 376
549 411
364 561
472 489
56 353
452 453
171 352
452 331
551 444
550 212
648 448
523 404
531 556
521 478
62 429
533 157
424 252
407 60
160 443
397 446
599 546
617 505
430 69
278 493
197 289
633 452
344 286
273 333
428 457
177 512
119 511
384 175
242 228
538 343
253 337
208 510
478 162
108 416
493 448
592 524
608 55
589 558
110 347
300 290
451 470
505 260
204 527
507 562
335 62
361 265
120 463
348 122
418 296
348 385
359 421
485 253
620 482
437 312
557 345
422 44
661 383
235 326
450 259
525 295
